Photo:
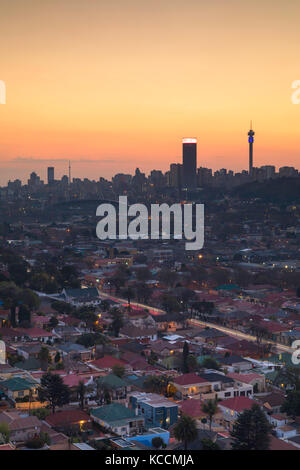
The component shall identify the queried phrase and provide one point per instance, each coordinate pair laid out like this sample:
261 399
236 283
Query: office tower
251 140
189 162
204 176
268 171
50 174
34 179
287 171
175 175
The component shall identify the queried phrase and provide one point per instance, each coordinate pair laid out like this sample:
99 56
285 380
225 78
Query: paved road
239 334
229 331
152 310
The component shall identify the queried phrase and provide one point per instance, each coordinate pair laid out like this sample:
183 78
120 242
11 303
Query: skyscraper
50 174
251 140
189 163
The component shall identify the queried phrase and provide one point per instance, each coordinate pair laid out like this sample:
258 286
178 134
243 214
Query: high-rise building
189 163
251 140
268 171
204 176
175 175
50 174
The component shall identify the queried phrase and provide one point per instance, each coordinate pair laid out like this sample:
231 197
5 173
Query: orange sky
117 84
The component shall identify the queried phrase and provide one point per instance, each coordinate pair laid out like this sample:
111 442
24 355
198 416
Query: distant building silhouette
251 140
50 174
189 162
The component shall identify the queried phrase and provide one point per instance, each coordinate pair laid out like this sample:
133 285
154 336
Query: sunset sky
116 84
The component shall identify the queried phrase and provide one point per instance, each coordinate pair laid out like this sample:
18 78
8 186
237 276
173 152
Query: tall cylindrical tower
251 140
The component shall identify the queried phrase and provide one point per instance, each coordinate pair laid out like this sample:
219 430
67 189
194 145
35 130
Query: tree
53 390
118 370
210 408
53 322
129 294
289 376
185 355
143 274
185 430
208 444
57 357
24 316
4 432
157 442
81 390
44 357
210 363
251 431
170 303
157 384
291 406
117 322
18 272
62 307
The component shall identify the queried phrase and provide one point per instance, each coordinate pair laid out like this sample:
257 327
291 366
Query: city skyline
189 155
117 86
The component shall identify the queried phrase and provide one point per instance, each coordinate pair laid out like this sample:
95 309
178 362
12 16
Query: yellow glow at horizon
114 85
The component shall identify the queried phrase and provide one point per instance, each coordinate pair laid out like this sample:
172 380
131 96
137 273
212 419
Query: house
69 419
287 431
108 362
222 386
258 381
17 388
232 407
137 362
137 333
67 333
7 371
81 297
280 444
169 321
21 428
234 363
192 407
32 350
157 410
164 348
117 387
210 336
76 351
277 420
36 334
118 419
273 401
190 384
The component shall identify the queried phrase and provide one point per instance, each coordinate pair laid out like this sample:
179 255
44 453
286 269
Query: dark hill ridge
280 190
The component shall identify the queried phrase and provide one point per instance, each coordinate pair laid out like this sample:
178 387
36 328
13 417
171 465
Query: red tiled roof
245 378
107 362
192 407
67 417
189 379
238 404
35 332
7 447
279 444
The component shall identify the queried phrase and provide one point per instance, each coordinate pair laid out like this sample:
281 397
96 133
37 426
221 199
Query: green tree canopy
251 431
